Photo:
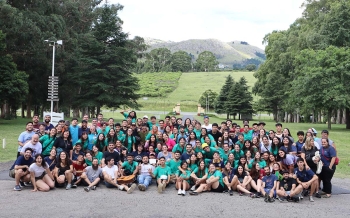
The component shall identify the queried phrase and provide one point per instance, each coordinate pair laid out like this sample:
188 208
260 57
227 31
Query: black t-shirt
114 155
65 145
138 156
286 184
216 136
309 153
63 169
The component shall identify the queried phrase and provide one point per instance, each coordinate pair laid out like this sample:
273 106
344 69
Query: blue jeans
145 180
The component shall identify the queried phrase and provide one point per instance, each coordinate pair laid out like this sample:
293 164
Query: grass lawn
10 129
190 88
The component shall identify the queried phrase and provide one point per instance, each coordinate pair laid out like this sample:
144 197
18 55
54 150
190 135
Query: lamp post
53 81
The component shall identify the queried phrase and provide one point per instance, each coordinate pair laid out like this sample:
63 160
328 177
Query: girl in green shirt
129 141
183 179
84 140
101 142
47 142
97 154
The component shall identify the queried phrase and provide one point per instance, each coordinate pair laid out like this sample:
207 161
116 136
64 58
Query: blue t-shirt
23 137
230 175
299 145
269 181
21 161
327 154
292 148
73 130
304 175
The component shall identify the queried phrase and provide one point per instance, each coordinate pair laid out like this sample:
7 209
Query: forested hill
228 53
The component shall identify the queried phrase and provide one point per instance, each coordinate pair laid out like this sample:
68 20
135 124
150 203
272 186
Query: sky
225 20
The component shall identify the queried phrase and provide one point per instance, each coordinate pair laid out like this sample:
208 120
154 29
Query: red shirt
78 167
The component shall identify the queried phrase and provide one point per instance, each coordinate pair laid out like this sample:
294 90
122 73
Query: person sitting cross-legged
286 188
269 183
162 174
91 175
145 178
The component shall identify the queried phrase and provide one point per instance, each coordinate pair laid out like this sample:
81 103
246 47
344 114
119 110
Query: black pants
326 176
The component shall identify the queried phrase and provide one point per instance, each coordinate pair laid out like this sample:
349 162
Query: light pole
53 81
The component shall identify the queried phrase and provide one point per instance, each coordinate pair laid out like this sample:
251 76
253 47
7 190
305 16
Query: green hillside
189 88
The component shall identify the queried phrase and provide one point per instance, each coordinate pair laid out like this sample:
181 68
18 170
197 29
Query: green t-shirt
240 144
131 141
187 175
197 132
104 132
223 155
88 162
200 174
178 147
120 136
209 155
127 166
84 145
262 164
160 171
173 165
125 114
217 173
212 141
99 156
237 154
192 167
248 135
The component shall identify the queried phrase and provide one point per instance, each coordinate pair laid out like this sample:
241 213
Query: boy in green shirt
129 167
161 174
174 164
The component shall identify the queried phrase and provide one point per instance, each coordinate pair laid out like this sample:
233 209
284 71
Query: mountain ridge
234 53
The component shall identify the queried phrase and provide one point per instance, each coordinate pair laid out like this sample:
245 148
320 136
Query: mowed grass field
190 88
10 130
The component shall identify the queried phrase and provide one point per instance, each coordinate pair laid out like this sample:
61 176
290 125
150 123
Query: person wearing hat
208 152
286 188
279 132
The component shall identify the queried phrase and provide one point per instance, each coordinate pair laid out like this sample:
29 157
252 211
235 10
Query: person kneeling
40 175
306 179
91 175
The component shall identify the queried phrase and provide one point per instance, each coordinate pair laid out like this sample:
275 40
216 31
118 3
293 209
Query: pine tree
221 100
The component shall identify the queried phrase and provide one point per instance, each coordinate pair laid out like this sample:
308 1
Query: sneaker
17 188
305 192
193 188
68 186
252 195
296 199
266 197
317 195
163 186
281 199
121 188
193 193
231 192
22 184
74 186
93 187
160 188
183 193
179 192
141 187
258 195
131 189
27 184
87 189
271 200
240 194
311 199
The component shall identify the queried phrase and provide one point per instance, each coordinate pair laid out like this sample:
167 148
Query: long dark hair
253 172
133 116
273 145
69 136
290 143
206 133
201 172
100 143
237 173
66 161
109 137
43 162
279 158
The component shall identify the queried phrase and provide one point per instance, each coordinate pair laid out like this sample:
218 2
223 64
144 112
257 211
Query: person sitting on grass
286 188
110 175
306 179
269 183
40 175
64 171
183 179
162 174
214 182
20 171
91 176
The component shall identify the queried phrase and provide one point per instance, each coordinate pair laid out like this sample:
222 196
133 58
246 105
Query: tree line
162 60
94 64
307 67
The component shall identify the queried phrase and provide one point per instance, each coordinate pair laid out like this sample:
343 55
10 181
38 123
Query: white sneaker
193 188
179 192
120 188
183 193
132 188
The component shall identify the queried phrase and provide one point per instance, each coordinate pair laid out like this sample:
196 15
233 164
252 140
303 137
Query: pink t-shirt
170 143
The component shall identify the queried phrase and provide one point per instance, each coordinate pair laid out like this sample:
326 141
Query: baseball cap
204 145
145 116
206 117
314 130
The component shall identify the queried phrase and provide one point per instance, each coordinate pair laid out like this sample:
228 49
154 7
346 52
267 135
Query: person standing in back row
25 137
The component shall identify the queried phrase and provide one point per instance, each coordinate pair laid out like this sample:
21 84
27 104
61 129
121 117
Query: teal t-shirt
187 175
178 147
217 173
192 167
127 166
209 155
174 165
248 135
125 114
197 132
131 141
99 156
237 154
200 174
84 145
160 171
212 141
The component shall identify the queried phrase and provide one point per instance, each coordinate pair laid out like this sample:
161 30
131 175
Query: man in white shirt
110 175
34 144
206 124
145 177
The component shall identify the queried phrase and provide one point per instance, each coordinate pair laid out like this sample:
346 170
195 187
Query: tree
250 67
180 62
13 83
208 95
206 62
221 100
158 60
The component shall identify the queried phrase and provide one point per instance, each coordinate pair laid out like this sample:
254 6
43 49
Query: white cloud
248 20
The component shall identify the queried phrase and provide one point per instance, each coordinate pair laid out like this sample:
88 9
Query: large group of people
192 156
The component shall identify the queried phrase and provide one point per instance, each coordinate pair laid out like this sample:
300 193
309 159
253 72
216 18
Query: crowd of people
195 157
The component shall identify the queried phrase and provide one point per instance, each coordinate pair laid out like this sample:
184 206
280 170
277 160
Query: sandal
327 196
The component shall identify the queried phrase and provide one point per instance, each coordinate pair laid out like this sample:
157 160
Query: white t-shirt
37 148
209 127
38 170
145 168
110 171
